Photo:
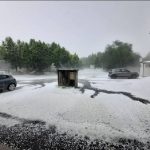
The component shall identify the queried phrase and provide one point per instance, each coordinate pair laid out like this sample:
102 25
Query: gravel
37 136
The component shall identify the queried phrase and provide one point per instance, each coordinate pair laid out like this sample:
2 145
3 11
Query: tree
75 62
98 60
119 54
19 56
90 60
36 55
10 52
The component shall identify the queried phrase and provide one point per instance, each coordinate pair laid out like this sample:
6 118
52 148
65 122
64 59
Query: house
145 68
67 77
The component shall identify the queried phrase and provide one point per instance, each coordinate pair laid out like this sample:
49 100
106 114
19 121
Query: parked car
7 82
122 73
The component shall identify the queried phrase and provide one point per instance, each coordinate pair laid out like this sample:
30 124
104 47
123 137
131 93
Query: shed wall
67 78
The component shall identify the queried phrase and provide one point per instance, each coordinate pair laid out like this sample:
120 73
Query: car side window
3 77
126 70
117 70
123 70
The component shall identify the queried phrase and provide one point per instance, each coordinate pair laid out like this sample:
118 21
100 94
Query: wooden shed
67 77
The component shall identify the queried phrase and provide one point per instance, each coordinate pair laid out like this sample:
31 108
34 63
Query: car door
125 73
122 73
4 81
1 82
119 72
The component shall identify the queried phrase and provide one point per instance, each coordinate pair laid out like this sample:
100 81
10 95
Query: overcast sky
80 26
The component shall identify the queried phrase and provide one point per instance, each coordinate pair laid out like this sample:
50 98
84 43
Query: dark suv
122 73
7 82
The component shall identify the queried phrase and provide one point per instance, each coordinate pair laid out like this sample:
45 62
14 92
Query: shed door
72 76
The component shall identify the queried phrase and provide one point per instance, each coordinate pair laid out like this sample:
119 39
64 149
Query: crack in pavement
88 86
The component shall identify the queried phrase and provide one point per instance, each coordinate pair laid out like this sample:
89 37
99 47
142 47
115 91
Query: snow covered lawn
106 116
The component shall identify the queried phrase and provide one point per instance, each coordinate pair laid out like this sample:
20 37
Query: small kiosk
67 77
145 68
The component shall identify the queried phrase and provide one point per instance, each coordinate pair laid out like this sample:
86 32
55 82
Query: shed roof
146 62
68 69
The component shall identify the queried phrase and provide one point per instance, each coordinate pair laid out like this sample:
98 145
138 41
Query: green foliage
90 60
99 60
36 55
10 52
118 54
74 60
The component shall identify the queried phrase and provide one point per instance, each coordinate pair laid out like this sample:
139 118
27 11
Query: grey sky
80 26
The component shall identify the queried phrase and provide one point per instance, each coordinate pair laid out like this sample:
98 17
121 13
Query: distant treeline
118 54
36 55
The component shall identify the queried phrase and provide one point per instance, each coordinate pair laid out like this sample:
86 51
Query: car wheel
134 76
11 87
113 76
